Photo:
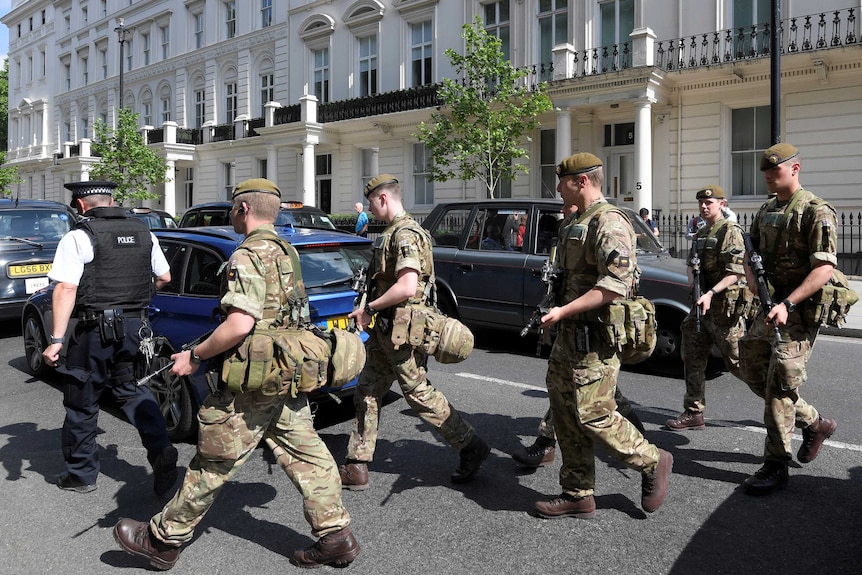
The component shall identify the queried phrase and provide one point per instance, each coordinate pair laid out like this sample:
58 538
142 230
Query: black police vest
120 275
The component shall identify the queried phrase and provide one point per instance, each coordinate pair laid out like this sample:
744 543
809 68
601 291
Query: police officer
724 304
401 277
259 291
794 232
598 257
104 272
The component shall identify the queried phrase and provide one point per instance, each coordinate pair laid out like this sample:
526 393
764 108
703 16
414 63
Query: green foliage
126 160
4 105
8 177
481 130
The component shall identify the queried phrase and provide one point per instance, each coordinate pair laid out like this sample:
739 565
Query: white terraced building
319 95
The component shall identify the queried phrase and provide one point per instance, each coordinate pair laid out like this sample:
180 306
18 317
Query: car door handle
152 310
536 272
465 267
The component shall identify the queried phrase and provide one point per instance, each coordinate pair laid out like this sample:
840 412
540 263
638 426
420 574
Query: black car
488 257
29 233
155 219
291 213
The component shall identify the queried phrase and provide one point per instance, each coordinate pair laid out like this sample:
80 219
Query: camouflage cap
378 181
580 163
90 188
710 192
261 185
777 154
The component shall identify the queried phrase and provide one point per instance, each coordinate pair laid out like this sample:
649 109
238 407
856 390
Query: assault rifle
696 291
756 264
360 286
186 346
550 277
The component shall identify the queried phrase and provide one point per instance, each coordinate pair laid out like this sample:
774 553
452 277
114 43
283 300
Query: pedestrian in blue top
361 221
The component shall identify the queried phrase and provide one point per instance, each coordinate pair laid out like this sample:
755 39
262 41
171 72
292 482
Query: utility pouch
400 326
831 304
416 333
111 327
582 338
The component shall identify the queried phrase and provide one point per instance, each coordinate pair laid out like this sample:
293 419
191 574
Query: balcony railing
799 34
222 132
254 124
192 136
288 114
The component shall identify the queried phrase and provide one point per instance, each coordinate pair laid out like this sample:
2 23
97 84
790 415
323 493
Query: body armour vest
577 252
711 242
121 274
398 237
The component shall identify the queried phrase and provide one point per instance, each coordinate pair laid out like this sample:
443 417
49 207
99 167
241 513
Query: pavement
853 327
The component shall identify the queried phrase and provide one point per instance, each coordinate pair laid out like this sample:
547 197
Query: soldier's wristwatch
370 310
55 339
195 358
791 307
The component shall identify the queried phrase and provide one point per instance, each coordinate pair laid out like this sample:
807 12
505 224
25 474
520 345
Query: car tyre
174 396
668 338
35 343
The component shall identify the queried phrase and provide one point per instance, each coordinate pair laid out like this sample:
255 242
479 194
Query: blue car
189 305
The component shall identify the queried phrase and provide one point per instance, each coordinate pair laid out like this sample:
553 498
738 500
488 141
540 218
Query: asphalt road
413 520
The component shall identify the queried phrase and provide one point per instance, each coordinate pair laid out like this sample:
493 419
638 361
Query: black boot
472 457
539 454
773 475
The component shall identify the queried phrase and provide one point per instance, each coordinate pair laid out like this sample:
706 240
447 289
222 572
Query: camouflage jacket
404 244
720 248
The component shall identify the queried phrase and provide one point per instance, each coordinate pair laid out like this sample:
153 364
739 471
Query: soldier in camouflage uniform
259 290
795 234
598 258
724 304
401 277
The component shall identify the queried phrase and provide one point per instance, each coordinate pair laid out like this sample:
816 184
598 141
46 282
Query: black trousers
91 367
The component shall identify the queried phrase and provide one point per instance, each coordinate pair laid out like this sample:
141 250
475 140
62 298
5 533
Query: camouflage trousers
231 426
546 425
778 369
581 388
725 332
385 363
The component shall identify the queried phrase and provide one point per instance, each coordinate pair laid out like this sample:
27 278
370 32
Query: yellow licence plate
341 322
20 271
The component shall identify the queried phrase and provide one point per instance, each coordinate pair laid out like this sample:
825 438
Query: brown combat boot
813 437
338 549
540 454
354 476
566 505
472 458
686 420
654 484
134 537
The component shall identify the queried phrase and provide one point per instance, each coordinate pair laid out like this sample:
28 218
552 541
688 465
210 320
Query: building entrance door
620 177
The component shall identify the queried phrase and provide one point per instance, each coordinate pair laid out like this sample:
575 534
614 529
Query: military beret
261 185
90 188
710 192
578 164
378 181
777 154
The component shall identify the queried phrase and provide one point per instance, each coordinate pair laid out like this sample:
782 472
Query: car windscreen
331 264
153 221
647 242
34 225
304 219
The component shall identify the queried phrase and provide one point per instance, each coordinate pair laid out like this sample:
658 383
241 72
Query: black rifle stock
550 276
756 264
186 346
696 291
360 286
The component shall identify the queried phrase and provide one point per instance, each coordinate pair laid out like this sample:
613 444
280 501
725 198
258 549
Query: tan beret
578 164
378 181
777 154
261 185
711 192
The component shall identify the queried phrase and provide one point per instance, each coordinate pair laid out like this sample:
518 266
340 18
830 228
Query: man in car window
257 290
104 270
399 278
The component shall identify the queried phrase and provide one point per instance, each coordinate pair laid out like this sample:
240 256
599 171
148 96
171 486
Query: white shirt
75 250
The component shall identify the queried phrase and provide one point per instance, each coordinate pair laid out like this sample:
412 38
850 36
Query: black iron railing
222 132
156 136
190 136
288 114
254 124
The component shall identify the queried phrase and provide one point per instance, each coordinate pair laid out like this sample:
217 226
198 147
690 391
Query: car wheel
175 400
668 337
35 343
446 304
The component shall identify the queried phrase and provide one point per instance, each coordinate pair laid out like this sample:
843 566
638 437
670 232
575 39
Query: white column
308 174
643 155
272 164
564 134
171 188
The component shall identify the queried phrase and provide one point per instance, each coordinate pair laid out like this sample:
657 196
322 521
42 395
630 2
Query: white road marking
717 422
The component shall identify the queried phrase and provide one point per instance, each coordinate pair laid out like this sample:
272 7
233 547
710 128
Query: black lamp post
121 31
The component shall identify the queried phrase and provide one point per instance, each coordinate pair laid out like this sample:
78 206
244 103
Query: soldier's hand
183 364
52 354
553 316
362 318
777 315
705 302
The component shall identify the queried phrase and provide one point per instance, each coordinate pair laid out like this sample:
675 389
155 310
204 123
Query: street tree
126 159
483 125
8 177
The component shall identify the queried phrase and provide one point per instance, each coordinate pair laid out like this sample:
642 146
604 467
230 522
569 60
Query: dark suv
155 219
488 257
189 305
291 213
29 233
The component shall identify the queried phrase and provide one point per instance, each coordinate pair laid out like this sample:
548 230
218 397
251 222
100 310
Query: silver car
488 257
